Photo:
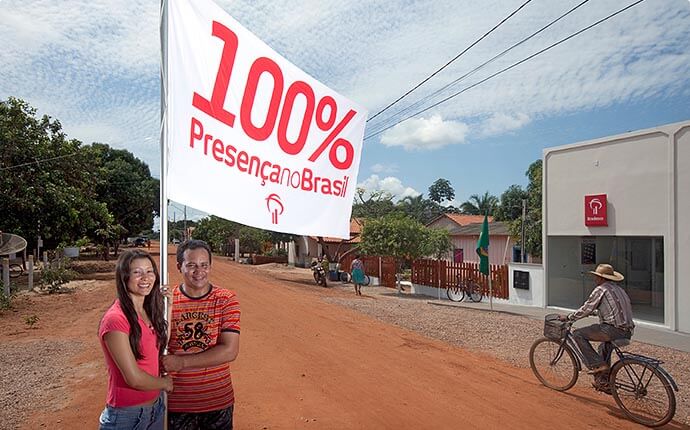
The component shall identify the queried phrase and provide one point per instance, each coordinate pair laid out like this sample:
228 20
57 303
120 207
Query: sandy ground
305 362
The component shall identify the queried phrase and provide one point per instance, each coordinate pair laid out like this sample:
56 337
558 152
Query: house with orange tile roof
464 233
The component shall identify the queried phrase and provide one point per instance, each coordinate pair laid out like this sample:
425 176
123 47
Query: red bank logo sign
595 211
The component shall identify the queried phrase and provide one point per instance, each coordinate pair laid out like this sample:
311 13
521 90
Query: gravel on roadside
505 336
30 372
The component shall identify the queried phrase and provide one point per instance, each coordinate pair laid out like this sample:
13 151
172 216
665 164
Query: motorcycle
319 274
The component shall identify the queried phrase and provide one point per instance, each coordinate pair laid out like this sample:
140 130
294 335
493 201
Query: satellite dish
11 244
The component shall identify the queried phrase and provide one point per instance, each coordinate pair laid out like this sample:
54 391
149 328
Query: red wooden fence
380 267
443 273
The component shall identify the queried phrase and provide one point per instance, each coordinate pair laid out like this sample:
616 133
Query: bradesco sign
251 137
595 211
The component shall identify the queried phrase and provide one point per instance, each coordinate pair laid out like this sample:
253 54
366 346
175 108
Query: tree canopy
62 190
441 190
480 205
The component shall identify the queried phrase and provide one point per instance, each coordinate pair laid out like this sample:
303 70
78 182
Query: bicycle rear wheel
455 293
555 367
367 280
344 277
16 270
475 293
642 392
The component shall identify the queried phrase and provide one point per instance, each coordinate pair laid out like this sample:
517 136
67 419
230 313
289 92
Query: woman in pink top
133 333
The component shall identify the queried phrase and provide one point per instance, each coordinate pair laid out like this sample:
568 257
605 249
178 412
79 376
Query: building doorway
639 259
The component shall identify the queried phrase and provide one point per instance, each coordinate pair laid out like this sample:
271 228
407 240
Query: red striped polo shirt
196 326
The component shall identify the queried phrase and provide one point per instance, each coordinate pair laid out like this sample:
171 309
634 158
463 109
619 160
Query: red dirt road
305 363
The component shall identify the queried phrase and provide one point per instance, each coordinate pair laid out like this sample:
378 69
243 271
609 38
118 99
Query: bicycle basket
554 328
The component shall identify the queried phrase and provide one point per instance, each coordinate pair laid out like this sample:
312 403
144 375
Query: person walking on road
205 339
133 332
357 270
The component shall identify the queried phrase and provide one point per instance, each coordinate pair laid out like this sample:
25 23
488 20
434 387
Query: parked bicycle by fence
15 269
346 277
643 390
465 288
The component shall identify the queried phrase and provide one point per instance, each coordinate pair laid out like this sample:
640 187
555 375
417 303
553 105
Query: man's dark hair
192 244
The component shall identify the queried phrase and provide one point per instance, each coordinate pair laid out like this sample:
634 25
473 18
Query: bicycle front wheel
475 293
642 392
553 365
455 293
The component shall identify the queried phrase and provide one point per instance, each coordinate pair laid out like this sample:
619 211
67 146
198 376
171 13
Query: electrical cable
508 68
451 61
481 66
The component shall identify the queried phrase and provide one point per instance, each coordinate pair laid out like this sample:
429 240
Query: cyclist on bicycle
612 304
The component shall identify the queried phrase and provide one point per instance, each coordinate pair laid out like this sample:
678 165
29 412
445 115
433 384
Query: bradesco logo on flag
251 137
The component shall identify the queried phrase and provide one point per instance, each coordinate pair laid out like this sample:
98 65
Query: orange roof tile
462 219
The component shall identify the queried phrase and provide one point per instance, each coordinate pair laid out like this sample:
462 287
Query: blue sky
94 65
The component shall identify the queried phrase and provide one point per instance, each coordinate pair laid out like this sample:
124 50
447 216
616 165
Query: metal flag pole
164 172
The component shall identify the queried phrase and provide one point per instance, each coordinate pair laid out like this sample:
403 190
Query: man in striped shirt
204 339
612 304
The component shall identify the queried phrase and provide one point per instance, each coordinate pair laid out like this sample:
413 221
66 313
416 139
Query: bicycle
642 389
468 288
346 277
16 270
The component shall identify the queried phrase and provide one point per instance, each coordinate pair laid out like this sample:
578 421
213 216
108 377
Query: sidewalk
644 332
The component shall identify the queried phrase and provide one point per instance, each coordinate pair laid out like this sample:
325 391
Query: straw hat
606 271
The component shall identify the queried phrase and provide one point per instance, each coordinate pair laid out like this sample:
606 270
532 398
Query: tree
480 205
533 233
441 190
217 232
510 207
125 185
46 180
378 204
419 208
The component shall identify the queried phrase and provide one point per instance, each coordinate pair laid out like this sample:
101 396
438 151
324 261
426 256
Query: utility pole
523 256
184 235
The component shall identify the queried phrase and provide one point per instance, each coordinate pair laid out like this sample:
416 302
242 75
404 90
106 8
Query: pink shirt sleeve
113 321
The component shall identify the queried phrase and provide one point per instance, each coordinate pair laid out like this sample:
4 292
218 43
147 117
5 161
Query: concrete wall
681 224
646 176
535 295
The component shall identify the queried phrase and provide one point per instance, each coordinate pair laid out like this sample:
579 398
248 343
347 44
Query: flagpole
163 145
164 173
491 290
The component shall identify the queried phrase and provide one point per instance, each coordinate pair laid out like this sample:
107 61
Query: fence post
30 268
6 276
380 270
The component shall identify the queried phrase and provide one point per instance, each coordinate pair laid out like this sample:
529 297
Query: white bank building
623 200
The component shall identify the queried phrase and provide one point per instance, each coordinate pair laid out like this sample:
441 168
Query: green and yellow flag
483 247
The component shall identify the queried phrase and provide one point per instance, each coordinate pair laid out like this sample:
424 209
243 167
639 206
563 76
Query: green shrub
57 274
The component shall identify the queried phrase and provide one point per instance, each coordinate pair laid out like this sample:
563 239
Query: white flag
252 138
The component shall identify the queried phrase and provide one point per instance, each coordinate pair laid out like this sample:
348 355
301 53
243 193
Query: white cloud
500 123
389 184
95 65
425 134
384 168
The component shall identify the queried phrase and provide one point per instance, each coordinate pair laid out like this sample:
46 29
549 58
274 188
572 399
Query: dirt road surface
303 364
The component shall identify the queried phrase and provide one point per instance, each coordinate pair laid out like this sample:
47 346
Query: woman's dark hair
153 303
192 244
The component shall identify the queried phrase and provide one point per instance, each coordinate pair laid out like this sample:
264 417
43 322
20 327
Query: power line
481 66
38 161
507 68
448 63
